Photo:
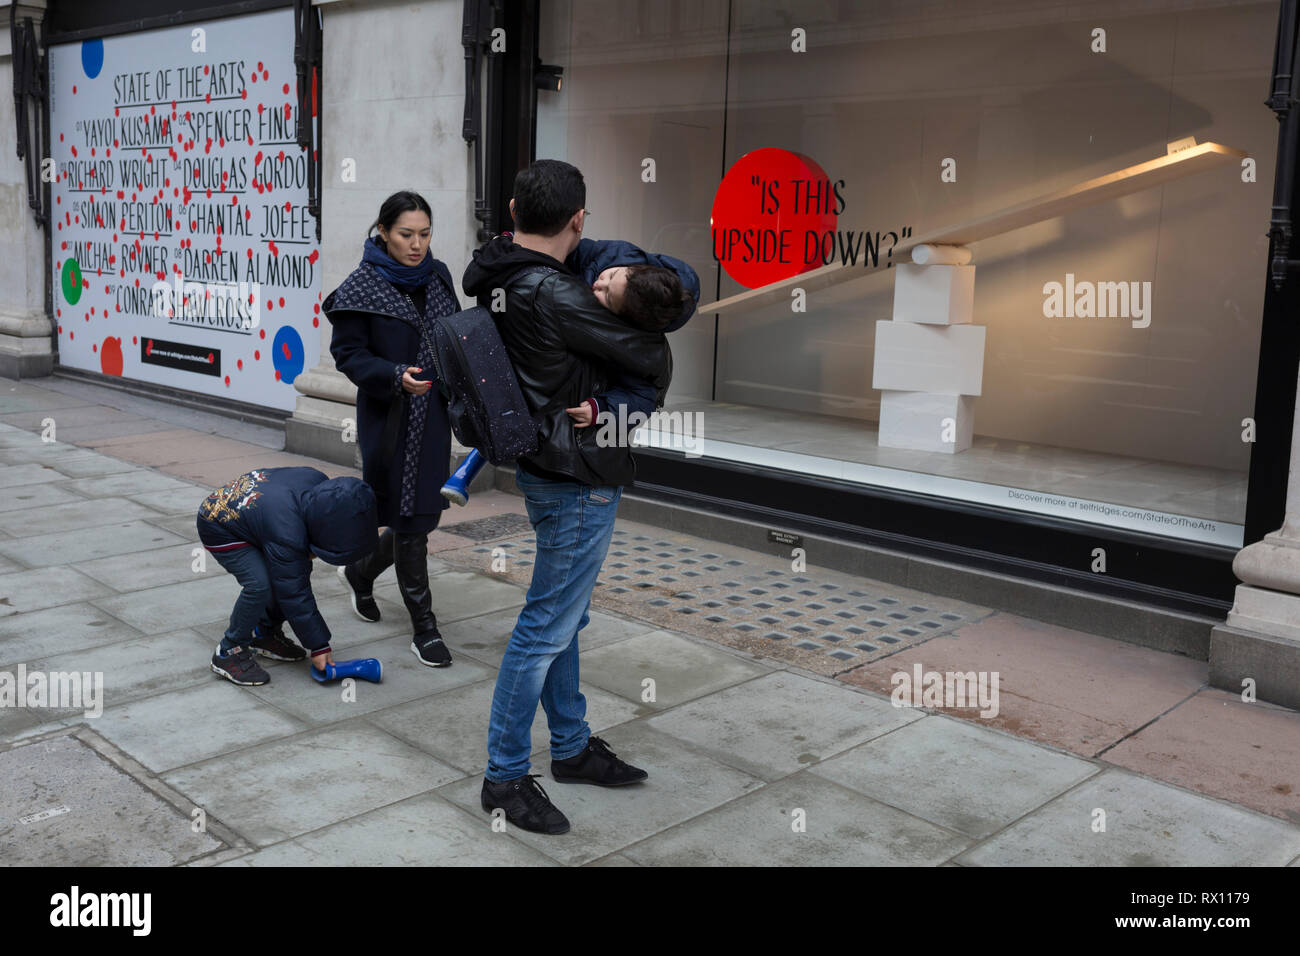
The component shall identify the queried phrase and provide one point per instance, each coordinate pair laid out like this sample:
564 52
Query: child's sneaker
275 645
239 667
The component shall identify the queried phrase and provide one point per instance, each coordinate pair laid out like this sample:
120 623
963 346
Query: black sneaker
526 805
363 603
238 667
430 649
275 646
597 764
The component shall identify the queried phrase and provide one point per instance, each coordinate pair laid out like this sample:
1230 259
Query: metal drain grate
486 529
751 600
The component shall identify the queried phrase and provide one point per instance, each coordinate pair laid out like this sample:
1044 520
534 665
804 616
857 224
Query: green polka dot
71 281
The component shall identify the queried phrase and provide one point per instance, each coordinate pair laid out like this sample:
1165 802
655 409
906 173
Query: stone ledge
1237 653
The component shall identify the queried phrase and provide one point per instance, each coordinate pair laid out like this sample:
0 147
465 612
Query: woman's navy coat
375 335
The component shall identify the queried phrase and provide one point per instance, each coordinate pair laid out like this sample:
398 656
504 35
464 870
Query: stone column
1260 639
391 107
26 331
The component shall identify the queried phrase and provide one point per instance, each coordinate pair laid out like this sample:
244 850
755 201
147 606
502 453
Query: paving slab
97 436
89 464
346 629
160 731
92 813
150 569
781 723
681 669
34 496
295 691
133 669
452 724
69 547
284 789
47 587
86 413
179 445
75 515
459 594
1247 753
182 501
58 630
14 474
1148 823
485 637
216 472
841 828
683 783
184 526
15 720
160 609
139 482
422 831
1072 690
955 774
19 398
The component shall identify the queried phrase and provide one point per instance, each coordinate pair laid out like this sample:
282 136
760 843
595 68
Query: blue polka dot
92 57
289 366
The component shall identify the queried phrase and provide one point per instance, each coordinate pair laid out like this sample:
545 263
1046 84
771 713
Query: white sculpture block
926 421
934 294
929 358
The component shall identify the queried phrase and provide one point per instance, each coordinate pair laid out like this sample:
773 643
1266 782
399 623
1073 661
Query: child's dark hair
547 194
654 297
398 203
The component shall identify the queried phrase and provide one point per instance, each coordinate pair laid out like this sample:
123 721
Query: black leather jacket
562 342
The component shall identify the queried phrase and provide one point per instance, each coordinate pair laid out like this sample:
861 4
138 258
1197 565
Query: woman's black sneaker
430 649
276 646
526 805
363 602
239 667
597 764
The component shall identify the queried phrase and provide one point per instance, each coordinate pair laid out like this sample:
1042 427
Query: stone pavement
768 732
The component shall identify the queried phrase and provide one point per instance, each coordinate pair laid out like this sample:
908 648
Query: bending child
265 527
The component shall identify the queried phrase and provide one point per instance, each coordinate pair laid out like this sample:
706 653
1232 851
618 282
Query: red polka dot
284 347
315 322
239 364
257 355
261 333
227 380
285 88
277 375
269 305
282 302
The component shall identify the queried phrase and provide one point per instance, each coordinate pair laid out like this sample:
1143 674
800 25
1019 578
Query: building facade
1097 396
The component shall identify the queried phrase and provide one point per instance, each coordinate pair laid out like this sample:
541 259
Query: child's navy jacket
592 257
289 513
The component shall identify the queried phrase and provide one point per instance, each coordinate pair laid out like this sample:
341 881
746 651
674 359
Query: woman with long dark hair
382 316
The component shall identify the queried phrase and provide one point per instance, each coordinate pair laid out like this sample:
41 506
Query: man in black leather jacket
564 346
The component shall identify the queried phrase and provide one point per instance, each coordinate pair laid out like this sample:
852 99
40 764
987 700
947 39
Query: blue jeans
255 606
574 523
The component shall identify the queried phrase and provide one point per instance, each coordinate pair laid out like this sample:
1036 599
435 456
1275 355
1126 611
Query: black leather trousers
409 552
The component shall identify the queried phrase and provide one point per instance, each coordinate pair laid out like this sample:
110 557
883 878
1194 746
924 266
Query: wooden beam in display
1132 179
